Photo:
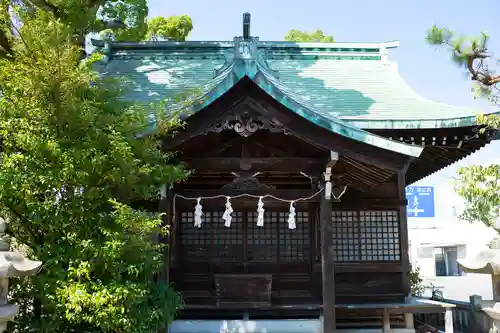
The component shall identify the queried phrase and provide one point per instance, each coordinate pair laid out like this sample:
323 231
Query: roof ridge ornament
246 25
384 53
246 47
246 55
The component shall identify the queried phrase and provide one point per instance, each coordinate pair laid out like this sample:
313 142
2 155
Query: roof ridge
164 45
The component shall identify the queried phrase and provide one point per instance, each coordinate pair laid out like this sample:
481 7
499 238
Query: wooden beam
328 276
286 194
291 194
365 268
204 182
360 203
253 164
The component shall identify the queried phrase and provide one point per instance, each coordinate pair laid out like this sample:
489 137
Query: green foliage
490 121
470 53
301 36
172 28
119 20
478 185
71 166
132 13
461 46
416 286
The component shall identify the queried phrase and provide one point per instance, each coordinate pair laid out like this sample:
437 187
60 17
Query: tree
172 28
71 168
478 185
120 20
416 283
301 36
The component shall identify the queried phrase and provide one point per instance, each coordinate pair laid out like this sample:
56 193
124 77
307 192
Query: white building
436 244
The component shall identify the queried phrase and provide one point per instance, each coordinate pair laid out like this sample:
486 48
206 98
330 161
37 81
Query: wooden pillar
448 320
328 281
386 321
403 232
409 321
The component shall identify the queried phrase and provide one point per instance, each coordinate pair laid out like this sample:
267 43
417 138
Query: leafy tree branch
479 185
119 20
72 175
472 53
318 36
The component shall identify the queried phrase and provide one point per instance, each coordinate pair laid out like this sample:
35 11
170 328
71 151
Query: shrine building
300 153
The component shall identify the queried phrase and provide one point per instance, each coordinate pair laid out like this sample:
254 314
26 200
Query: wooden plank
254 164
375 283
328 276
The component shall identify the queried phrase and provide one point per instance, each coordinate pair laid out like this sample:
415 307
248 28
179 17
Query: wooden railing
468 317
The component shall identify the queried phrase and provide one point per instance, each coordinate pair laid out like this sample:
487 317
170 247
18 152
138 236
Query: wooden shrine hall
300 155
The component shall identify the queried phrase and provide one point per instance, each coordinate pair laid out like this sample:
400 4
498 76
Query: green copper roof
351 81
245 60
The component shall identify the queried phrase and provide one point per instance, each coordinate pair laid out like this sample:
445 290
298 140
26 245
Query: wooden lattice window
294 243
262 241
228 242
196 242
379 235
345 235
214 242
366 236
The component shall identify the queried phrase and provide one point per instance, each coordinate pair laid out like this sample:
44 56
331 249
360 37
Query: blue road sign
420 201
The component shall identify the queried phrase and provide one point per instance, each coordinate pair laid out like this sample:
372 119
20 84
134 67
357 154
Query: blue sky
425 68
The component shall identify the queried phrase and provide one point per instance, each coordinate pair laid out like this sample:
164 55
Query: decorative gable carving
245 123
246 182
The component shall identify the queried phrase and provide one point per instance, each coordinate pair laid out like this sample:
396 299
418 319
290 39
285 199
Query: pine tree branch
480 74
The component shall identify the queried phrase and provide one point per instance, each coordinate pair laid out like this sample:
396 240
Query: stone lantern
12 264
488 262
